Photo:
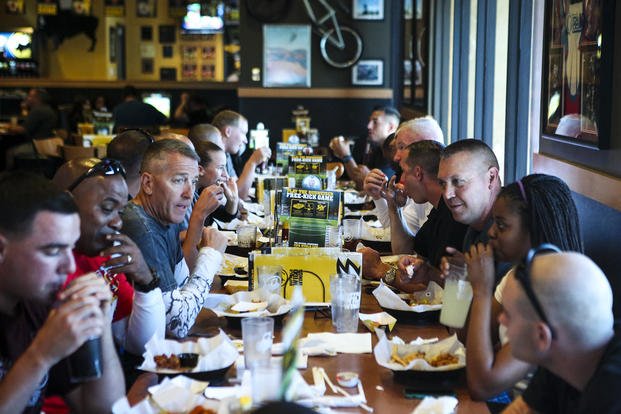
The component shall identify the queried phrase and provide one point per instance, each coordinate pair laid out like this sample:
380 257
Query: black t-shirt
439 231
548 393
16 333
135 113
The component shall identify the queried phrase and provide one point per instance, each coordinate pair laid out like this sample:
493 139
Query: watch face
311 182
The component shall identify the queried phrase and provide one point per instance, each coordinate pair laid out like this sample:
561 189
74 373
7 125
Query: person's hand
394 193
480 261
71 324
372 266
260 155
455 258
229 186
214 239
210 199
131 262
374 182
421 271
340 147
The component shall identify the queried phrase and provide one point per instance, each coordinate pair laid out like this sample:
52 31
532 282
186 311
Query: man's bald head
173 135
575 295
205 133
72 170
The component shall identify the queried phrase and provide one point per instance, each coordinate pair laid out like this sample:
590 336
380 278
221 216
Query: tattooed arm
184 303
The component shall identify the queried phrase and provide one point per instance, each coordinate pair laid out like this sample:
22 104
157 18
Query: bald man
571 337
100 192
205 133
404 217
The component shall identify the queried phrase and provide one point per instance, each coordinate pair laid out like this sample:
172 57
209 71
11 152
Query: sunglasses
147 135
523 275
106 166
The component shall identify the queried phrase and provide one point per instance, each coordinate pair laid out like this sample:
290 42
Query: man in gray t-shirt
169 173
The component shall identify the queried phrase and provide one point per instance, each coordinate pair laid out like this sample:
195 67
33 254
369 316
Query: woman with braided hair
534 210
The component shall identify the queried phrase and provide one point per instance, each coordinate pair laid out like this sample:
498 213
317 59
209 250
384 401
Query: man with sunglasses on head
100 192
153 219
40 326
557 309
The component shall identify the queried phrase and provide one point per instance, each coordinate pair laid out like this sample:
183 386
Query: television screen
203 20
160 101
16 45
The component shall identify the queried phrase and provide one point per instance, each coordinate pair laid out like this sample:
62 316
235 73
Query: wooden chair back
48 147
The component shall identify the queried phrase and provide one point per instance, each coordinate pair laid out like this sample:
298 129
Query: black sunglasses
147 134
106 166
522 274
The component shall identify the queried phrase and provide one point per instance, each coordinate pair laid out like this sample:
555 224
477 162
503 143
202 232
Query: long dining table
384 393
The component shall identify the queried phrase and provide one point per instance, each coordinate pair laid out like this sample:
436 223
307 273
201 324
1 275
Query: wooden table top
390 395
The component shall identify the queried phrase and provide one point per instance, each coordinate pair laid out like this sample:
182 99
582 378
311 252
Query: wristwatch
347 159
390 275
154 283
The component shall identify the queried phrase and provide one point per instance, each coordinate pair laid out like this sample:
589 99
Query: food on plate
426 299
199 409
443 359
188 359
439 360
164 361
406 359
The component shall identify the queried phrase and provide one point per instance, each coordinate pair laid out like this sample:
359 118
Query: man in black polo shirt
420 177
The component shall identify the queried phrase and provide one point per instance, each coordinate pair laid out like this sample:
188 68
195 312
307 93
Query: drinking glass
257 335
457 297
345 293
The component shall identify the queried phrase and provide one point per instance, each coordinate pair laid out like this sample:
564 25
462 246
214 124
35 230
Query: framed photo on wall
368 9
286 56
577 72
368 72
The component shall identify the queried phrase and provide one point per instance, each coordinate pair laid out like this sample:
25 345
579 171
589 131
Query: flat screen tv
159 101
16 44
205 19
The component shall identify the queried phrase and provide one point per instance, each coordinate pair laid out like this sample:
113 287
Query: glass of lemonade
457 298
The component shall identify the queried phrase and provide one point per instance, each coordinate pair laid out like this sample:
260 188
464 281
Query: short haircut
389 139
475 147
129 148
159 149
389 111
426 154
227 118
204 132
425 127
24 195
547 210
43 95
204 150
130 90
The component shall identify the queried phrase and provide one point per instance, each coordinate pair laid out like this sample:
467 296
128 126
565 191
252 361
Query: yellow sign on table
310 268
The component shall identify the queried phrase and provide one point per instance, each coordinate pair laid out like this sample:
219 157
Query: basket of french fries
424 361
421 307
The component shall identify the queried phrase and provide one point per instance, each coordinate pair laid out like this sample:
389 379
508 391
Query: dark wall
331 116
375 34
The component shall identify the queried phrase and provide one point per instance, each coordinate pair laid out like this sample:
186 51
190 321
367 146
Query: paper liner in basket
390 300
383 351
214 353
252 304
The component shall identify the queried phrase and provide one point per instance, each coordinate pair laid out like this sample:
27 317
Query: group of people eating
122 248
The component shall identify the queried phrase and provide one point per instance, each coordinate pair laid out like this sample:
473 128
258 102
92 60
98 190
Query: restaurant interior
504 72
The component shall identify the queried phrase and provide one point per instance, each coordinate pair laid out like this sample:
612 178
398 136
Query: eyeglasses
523 275
106 166
142 131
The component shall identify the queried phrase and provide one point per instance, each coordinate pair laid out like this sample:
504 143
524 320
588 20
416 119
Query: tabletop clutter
294 250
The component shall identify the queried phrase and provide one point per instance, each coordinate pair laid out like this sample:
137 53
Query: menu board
308 214
309 171
284 150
